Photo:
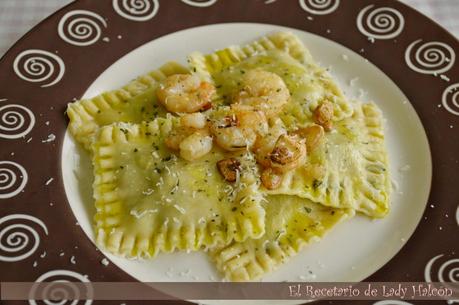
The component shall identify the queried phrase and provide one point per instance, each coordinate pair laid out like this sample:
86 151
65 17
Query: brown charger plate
30 173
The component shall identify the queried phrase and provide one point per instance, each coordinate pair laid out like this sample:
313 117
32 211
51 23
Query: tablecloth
19 16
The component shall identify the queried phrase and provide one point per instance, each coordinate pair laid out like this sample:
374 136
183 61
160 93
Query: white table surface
19 16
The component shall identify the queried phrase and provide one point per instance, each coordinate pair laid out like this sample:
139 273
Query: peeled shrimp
185 93
196 145
265 145
264 91
313 135
239 129
194 120
288 153
191 138
323 115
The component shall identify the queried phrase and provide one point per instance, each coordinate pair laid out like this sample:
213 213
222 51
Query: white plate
354 249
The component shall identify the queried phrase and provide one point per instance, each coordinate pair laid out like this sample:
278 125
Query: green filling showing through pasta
148 200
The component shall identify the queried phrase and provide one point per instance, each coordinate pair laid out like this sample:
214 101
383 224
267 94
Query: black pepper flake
234 209
316 183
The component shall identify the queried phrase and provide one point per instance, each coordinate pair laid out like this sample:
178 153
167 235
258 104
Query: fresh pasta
250 154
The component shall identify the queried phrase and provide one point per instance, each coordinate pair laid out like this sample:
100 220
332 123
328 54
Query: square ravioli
291 223
148 200
285 55
350 169
134 103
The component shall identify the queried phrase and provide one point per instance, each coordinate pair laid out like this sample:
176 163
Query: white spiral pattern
430 58
136 10
59 293
38 66
200 3
15 242
16 121
392 302
380 23
13 179
81 27
449 269
452 274
450 99
319 7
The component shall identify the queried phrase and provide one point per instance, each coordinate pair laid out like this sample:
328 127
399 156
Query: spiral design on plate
13 179
430 58
319 7
450 99
61 289
16 121
447 272
81 27
200 3
392 302
380 23
457 215
39 66
136 10
18 237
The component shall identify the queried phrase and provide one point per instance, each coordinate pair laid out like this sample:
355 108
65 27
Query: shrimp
288 153
185 93
264 145
264 91
176 137
191 138
194 120
229 169
240 129
313 135
195 146
323 115
270 179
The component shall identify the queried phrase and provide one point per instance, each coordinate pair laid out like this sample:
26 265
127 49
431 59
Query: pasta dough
350 169
134 103
291 224
148 200
157 190
284 55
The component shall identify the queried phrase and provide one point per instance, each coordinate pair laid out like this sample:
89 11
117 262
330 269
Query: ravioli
350 169
149 201
283 54
134 103
291 224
